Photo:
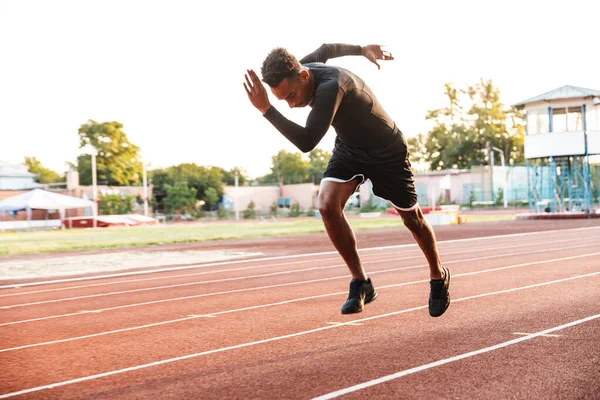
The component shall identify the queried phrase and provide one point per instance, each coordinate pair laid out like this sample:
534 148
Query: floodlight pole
237 208
145 180
94 185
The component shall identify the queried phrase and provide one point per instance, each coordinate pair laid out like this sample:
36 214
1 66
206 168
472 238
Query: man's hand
373 52
256 92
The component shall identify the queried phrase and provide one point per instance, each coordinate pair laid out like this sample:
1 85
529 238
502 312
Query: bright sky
172 71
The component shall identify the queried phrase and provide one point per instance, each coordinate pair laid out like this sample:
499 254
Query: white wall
555 144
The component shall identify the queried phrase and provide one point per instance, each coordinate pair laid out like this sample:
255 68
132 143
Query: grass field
12 243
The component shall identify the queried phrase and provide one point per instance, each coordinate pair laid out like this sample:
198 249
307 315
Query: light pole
94 186
145 183
235 200
505 194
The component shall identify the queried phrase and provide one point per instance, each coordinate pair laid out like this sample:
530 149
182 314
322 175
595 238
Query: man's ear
304 75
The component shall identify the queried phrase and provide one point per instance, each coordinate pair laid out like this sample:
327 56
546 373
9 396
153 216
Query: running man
368 145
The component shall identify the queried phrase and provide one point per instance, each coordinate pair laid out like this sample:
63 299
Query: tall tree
44 175
461 136
180 196
117 161
200 178
287 168
229 176
317 162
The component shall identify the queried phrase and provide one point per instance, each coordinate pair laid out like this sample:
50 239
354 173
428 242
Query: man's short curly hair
279 65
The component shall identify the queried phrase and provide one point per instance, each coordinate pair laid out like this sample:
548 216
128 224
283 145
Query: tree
461 136
117 160
287 168
229 176
44 175
317 164
179 197
211 197
114 204
197 177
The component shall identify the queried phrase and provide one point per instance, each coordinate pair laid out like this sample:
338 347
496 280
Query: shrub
221 213
250 212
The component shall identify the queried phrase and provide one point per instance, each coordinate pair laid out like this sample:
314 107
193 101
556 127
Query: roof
564 92
14 170
41 199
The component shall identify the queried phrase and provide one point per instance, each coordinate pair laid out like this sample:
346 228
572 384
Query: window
537 122
574 119
568 119
559 120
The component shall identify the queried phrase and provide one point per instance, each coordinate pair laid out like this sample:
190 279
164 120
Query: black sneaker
361 293
439 296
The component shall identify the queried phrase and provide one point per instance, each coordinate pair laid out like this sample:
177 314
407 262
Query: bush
311 212
500 197
369 206
471 198
250 212
221 213
295 210
115 204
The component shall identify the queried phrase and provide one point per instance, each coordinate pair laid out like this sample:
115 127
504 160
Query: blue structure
563 131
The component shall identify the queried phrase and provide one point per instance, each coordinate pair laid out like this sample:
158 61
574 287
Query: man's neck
311 86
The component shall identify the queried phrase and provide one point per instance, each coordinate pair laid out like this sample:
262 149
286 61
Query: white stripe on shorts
338 180
406 209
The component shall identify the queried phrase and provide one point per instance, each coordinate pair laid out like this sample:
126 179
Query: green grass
12 243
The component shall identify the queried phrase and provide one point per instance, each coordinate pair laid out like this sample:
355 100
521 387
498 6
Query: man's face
295 91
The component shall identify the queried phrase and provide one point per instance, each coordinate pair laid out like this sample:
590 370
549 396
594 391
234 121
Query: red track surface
524 323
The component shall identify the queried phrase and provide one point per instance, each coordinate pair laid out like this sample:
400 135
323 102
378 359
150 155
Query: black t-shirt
342 100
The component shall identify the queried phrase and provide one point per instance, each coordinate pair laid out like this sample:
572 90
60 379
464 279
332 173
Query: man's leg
332 199
425 237
439 296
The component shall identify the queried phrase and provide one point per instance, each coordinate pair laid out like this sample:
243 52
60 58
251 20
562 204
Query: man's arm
327 101
328 51
372 52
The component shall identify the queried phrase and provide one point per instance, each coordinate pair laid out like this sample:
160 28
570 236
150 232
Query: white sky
172 71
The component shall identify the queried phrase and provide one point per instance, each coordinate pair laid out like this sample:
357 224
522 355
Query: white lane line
5 307
302 333
525 334
449 360
304 282
546 243
286 257
212 315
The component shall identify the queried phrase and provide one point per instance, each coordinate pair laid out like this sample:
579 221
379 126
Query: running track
524 323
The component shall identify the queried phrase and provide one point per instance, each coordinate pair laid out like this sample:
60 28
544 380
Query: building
16 177
563 131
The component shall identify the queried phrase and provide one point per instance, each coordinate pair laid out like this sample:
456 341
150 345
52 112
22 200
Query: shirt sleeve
327 51
327 101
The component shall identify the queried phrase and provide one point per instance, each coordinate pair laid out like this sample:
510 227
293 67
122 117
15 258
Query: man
368 146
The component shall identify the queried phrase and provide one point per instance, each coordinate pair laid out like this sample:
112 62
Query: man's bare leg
332 199
425 237
439 295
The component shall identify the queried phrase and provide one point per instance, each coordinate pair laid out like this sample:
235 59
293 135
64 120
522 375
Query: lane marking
239 278
320 329
438 363
545 243
130 273
525 334
198 316
303 282
344 323
268 305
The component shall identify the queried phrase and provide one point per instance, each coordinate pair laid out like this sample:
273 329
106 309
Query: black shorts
390 173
